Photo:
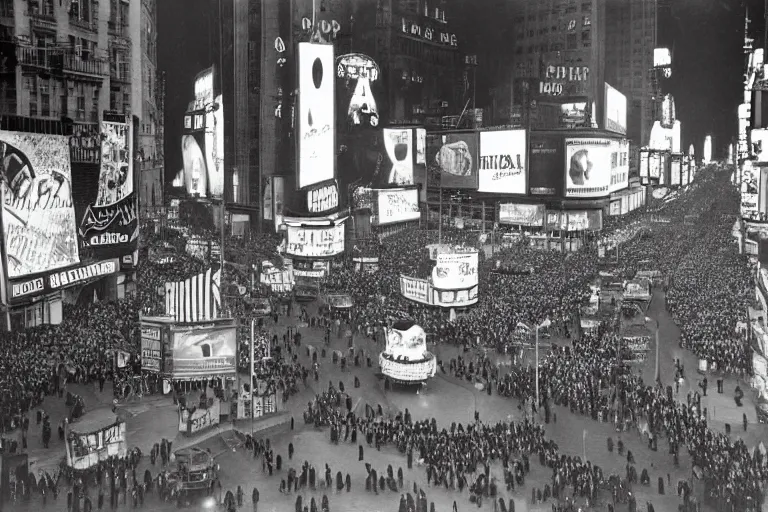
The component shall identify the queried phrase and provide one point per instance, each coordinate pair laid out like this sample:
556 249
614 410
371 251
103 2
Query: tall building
150 93
631 37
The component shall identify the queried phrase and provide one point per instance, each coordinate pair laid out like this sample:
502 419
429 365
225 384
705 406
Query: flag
195 299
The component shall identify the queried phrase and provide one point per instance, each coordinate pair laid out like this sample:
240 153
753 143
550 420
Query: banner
203 350
521 214
151 348
455 271
62 279
200 418
315 242
544 175
87 449
502 167
195 299
452 159
596 167
396 205
38 215
316 116
418 290
366 264
399 148
112 219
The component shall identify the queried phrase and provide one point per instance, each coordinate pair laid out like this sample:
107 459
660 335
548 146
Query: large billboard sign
455 271
315 242
396 205
422 291
111 220
749 191
595 166
359 71
151 348
615 110
544 175
521 214
316 119
202 350
39 223
400 150
452 159
502 167
54 281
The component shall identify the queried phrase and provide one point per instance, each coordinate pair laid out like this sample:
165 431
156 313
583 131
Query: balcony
120 73
34 57
71 63
90 26
42 19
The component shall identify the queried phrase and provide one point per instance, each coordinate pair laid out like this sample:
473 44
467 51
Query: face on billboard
453 158
588 164
398 145
316 121
195 171
38 215
502 165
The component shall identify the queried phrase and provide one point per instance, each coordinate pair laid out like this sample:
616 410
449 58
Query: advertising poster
323 197
749 191
316 116
674 172
615 110
315 242
151 348
358 73
399 148
203 350
644 165
111 221
87 449
759 139
396 205
544 174
418 290
521 214
410 344
584 220
38 214
455 299
502 166
588 167
455 271
452 159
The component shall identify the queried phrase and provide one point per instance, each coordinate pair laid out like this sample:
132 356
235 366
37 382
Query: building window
586 20
586 7
571 42
63 106
126 102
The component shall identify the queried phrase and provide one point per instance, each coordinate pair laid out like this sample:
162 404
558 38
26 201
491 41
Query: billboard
455 271
61 279
410 344
502 167
759 139
674 172
595 167
323 197
396 205
749 191
654 165
400 150
421 290
111 220
575 220
151 348
315 242
615 111
38 214
546 160
202 350
358 72
418 290
316 115
521 214
452 159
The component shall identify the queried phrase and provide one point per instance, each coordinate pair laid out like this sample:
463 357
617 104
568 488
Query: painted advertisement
410 344
112 220
38 214
316 114
521 214
544 170
203 350
86 449
396 205
452 159
456 271
315 242
151 348
596 167
502 165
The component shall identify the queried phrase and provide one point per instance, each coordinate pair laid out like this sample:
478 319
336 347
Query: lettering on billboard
521 214
38 214
455 271
544 175
595 166
398 144
315 242
151 350
427 33
112 218
397 205
563 80
80 274
323 199
414 289
32 287
316 116
452 159
502 166
360 71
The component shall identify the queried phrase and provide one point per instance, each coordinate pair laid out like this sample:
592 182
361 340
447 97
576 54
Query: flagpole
537 367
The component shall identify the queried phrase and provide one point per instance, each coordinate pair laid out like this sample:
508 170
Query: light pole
545 323
250 382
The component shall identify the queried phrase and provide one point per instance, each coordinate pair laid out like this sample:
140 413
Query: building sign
521 214
151 349
323 198
429 34
315 242
78 275
557 79
502 165
396 205
316 114
417 290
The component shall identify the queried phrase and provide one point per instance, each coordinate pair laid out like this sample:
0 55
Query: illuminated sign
556 76
662 57
502 165
595 167
27 288
398 144
615 110
203 89
316 242
427 33
323 198
396 205
80 274
108 239
316 116
356 66
362 70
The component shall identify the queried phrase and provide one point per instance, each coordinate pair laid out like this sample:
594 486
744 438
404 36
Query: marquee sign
323 198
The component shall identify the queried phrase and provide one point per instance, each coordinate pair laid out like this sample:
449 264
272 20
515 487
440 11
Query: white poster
398 143
421 146
615 110
410 344
315 242
397 205
589 166
521 214
316 119
654 165
644 164
502 167
418 290
457 271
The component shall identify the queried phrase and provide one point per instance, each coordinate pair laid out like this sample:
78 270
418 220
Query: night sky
706 37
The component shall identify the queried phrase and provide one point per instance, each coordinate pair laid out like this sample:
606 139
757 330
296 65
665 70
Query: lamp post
545 323
250 383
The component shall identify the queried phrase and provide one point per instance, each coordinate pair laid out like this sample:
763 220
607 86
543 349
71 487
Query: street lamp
545 323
